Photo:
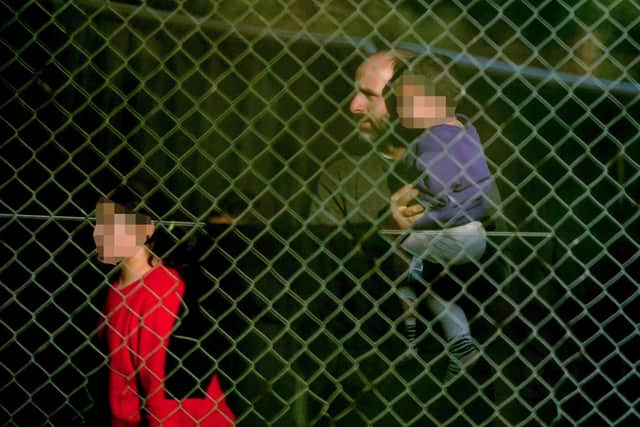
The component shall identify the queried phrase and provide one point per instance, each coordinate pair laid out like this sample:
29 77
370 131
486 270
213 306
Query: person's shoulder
347 165
432 139
372 164
347 162
333 169
469 128
338 164
444 135
165 277
446 132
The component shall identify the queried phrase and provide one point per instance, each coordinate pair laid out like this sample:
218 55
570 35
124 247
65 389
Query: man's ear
401 67
391 101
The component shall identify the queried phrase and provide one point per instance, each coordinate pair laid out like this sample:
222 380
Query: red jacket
139 321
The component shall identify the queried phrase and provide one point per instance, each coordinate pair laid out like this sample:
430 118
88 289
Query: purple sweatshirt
448 166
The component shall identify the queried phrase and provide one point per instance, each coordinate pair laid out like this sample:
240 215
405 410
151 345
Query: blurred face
368 103
119 234
418 106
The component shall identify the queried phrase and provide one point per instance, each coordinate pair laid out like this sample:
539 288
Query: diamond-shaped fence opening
305 302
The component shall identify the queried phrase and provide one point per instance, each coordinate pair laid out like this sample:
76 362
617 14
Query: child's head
122 228
419 105
424 94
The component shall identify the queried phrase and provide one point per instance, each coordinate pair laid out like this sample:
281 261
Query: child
447 165
143 309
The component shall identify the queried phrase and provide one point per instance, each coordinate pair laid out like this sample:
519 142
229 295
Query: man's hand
221 218
403 214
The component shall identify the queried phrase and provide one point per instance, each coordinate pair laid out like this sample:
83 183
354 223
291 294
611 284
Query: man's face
368 103
117 234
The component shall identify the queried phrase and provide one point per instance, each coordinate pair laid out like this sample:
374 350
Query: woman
143 310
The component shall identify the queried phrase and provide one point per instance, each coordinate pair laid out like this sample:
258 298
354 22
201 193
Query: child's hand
403 214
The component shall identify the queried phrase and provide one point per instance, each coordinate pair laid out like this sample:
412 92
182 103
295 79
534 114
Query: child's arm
460 207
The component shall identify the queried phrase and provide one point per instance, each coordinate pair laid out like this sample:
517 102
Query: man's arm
328 206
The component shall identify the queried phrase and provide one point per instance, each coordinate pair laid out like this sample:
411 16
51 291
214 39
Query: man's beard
375 134
386 134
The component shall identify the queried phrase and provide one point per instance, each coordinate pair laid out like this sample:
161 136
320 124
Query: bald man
428 173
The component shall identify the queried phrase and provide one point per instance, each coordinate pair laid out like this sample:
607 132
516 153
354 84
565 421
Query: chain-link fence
239 110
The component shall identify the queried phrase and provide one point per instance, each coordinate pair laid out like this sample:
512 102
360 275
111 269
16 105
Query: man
359 266
405 108
355 201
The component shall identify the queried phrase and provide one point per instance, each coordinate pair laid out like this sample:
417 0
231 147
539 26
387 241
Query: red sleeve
123 388
150 349
140 354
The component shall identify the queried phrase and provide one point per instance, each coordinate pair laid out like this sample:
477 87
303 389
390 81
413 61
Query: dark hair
437 70
149 204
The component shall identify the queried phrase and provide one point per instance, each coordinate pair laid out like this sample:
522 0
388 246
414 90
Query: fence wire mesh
237 112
